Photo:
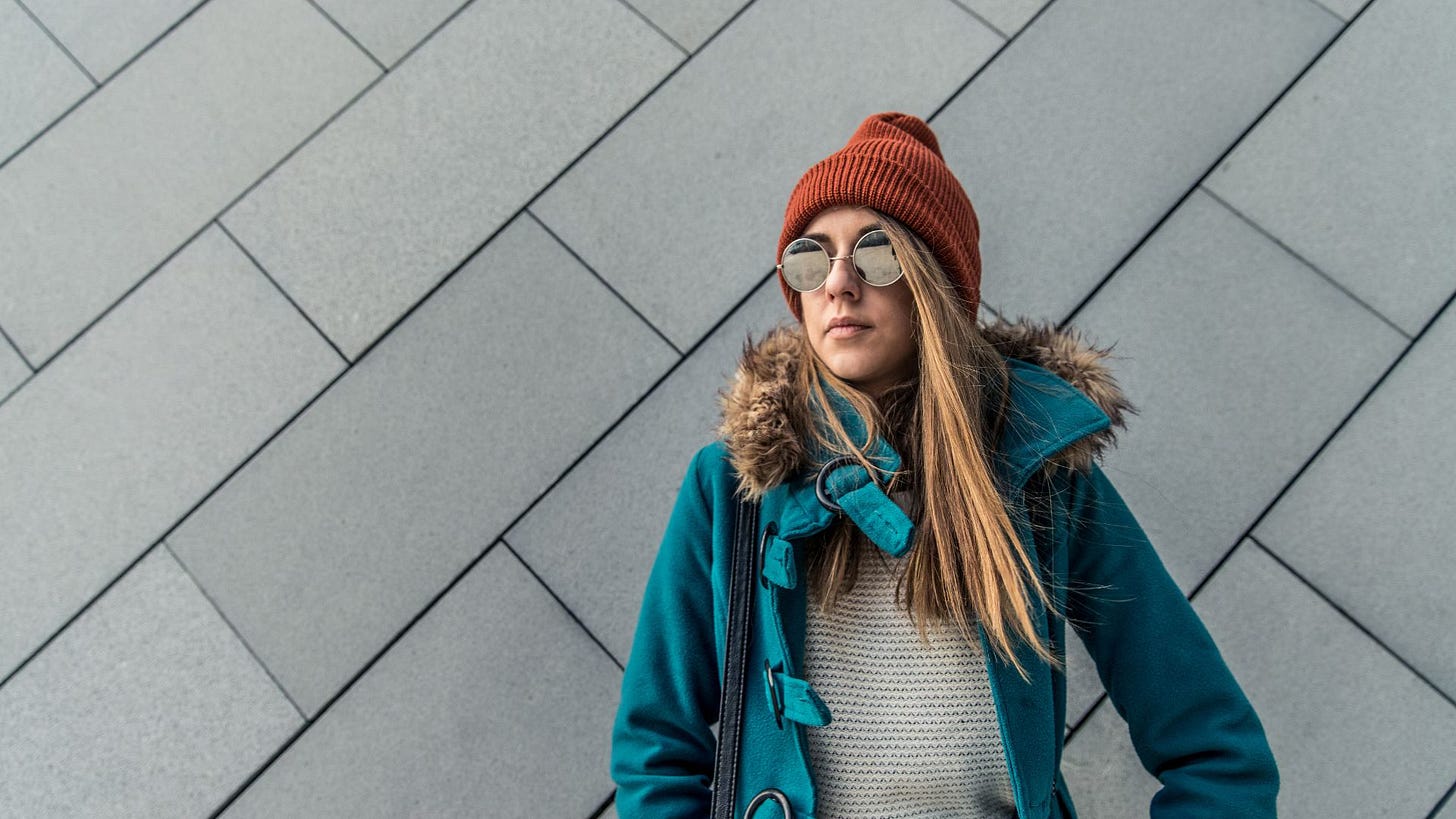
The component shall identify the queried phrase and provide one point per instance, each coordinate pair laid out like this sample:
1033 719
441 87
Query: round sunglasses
806 264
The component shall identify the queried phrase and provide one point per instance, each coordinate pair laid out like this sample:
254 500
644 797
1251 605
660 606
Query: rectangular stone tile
148 705
1354 733
689 22
106 448
680 207
1098 118
1242 361
37 82
393 195
139 167
593 538
1345 9
389 29
1370 522
104 34
1008 16
1352 170
494 704
377 496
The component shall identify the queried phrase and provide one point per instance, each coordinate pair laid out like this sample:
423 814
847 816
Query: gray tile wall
351 354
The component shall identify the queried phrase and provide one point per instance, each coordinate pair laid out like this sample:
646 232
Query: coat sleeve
1190 723
662 745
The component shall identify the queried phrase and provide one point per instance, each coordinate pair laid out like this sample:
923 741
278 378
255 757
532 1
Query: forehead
843 218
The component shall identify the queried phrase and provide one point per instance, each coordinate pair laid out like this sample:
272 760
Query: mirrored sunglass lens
876 259
805 264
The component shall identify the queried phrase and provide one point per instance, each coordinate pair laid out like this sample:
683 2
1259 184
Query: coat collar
1064 404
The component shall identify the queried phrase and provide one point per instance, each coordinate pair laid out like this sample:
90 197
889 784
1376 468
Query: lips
846 329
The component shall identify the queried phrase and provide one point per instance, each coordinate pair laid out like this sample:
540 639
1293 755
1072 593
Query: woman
907 654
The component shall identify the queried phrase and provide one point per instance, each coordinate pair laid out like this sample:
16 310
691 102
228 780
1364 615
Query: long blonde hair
967 562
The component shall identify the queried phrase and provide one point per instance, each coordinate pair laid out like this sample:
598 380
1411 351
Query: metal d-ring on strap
773 694
770 793
820 488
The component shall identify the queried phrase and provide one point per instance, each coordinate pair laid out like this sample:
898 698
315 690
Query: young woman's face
881 351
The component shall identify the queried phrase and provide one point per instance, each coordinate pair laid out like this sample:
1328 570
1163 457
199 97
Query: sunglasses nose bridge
853 274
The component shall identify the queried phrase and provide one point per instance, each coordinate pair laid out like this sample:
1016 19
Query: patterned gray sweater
913 730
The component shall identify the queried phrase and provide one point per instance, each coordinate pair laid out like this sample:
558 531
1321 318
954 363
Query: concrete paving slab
388 30
593 538
363 221
1377 106
148 705
692 186
376 497
1096 120
495 703
1008 16
109 446
144 163
689 22
1370 522
37 81
1242 361
103 35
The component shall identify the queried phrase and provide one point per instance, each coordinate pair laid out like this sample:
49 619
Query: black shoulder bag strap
735 674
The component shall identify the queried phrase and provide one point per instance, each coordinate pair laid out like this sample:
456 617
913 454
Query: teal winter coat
1190 723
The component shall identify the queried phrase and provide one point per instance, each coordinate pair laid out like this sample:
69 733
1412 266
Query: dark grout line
1213 166
604 282
263 270
206 495
656 28
1319 450
62 46
66 113
500 538
1443 801
987 64
384 69
327 387
216 218
5 396
1326 9
220 613
1306 262
222 212
1288 485
562 603
982 20
347 686
603 807
1374 638
38 650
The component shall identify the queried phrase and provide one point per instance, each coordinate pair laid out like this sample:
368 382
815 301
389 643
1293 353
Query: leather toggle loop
777 563
793 698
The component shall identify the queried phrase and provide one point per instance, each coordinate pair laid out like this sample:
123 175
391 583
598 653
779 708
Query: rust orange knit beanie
893 164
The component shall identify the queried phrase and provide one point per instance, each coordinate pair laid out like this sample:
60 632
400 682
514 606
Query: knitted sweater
913 730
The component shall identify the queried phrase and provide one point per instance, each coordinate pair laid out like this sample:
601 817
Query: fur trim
764 421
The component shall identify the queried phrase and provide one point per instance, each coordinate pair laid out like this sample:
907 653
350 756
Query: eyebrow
820 237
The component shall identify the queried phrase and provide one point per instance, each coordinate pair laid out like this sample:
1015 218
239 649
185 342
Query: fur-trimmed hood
762 415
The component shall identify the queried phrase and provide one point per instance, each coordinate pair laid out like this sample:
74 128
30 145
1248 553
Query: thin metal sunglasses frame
832 259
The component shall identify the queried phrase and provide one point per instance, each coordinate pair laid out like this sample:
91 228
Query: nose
842 278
